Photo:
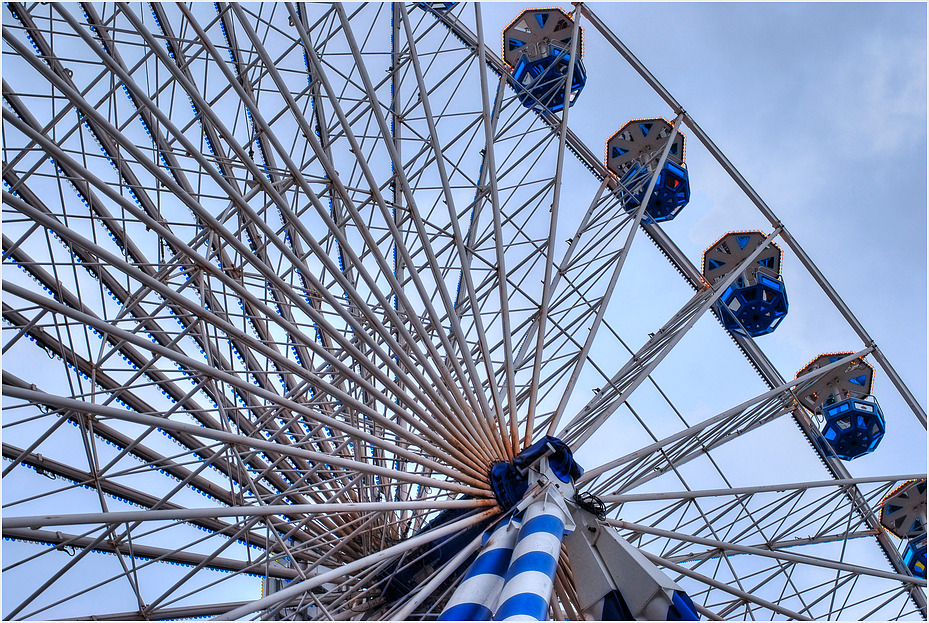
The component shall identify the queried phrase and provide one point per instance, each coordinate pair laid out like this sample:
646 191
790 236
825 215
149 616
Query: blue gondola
537 46
753 309
853 427
854 424
632 155
915 557
543 80
852 381
903 510
671 194
756 302
438 7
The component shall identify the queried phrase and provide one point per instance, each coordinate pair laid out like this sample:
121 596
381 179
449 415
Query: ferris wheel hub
511 481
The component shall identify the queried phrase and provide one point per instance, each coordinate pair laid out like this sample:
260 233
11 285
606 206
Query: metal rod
427 589
703 579
205 368
730 413
356 565
689 495
656 348
448 383
490 163
779 555
478 400
249 442
620 262
295 298
181 514
552 233
457 238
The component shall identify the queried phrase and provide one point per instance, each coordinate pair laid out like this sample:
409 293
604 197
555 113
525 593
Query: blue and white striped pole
476 596
531 575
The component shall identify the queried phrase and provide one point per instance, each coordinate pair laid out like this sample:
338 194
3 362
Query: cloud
884 88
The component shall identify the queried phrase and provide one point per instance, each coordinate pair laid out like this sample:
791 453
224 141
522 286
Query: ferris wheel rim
434 400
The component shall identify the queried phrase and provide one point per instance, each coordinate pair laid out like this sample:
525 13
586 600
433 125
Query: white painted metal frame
297 272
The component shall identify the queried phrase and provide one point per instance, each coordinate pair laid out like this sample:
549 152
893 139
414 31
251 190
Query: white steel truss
282 281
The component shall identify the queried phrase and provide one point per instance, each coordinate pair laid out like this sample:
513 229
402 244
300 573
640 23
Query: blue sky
822 107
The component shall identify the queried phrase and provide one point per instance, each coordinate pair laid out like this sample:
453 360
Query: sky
822 108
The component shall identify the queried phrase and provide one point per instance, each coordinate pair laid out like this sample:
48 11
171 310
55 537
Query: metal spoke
286 285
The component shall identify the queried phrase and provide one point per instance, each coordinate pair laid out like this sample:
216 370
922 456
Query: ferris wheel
332 312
